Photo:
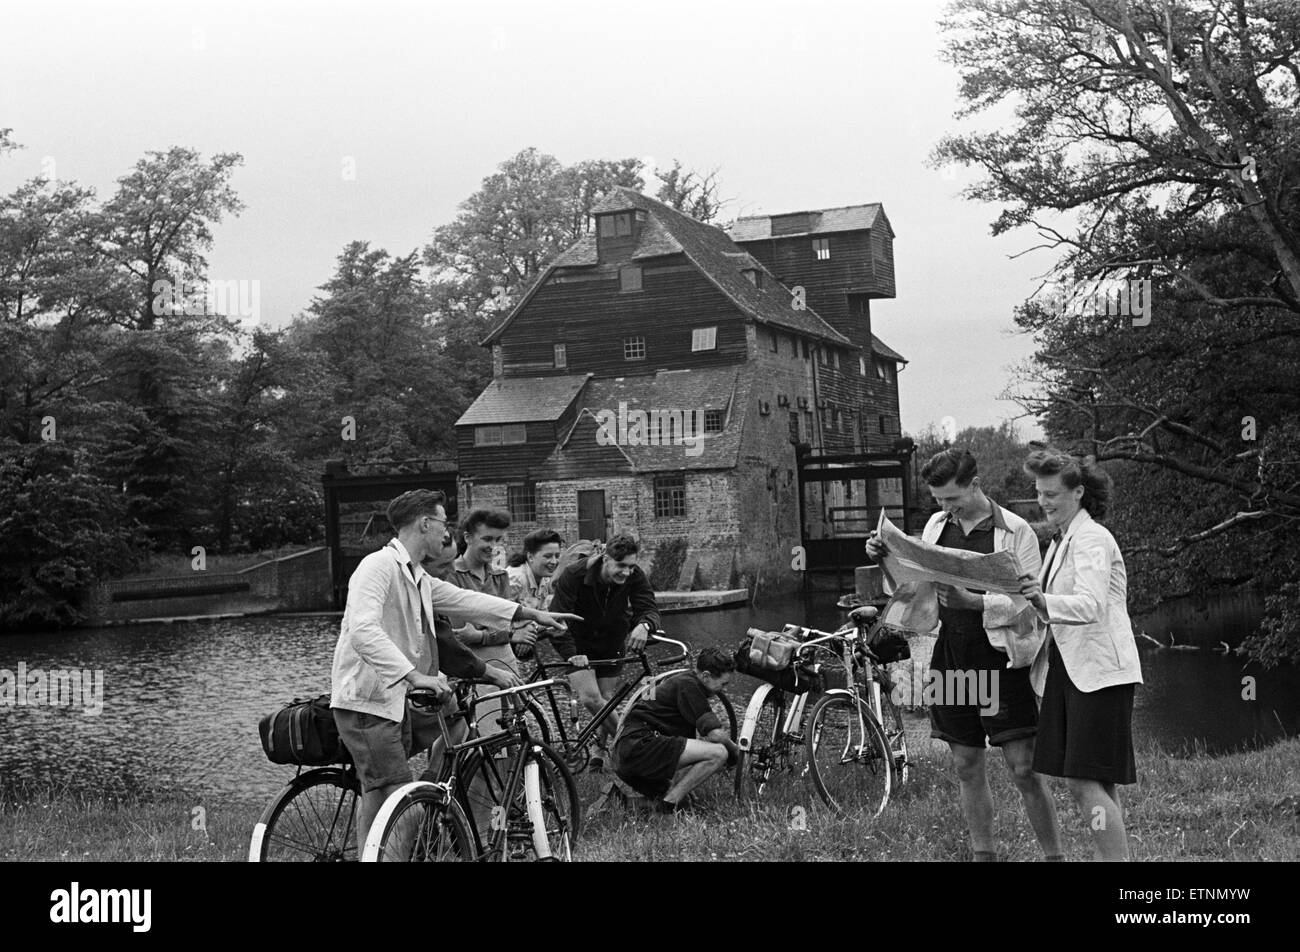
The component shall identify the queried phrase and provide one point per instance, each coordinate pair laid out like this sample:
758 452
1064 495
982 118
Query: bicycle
574 746
313 819
510 780
852 744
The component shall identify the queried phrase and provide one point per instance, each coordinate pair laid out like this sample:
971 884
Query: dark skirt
1089 735
647 760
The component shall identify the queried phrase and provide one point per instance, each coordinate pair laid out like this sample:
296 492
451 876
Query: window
794 427
884 370
506 434
629 279
822 249
634 348
612 226
887 426
670 496
794 346
776 343
862 366
836 355
714 420
805 350
521 501
821 356
880 369
755 277
837 420
561 356
704 338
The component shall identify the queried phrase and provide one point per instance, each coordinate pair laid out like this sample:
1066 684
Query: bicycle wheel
773 758
420 823
849 757
312 820
481 780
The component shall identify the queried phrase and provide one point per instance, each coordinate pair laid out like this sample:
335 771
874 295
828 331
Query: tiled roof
523 399
821 221
668 231
884 350
711 388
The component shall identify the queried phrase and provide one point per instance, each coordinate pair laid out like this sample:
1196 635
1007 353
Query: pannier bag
303 733
889 644
769 656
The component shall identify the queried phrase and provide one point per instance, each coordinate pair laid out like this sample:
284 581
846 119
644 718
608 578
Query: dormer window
754 276
616 226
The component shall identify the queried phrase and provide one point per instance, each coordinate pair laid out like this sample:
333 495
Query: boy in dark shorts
659 735
972 623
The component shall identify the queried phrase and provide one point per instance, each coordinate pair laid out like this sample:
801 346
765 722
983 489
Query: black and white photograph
823 431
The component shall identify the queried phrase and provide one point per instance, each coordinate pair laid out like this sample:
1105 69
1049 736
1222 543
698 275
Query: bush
63 527
670 555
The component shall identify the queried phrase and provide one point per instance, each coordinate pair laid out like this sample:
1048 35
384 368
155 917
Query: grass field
1237 807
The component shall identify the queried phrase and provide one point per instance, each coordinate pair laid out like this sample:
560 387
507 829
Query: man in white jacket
388 642
984 638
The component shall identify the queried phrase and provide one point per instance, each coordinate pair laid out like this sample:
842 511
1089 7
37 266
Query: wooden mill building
752 355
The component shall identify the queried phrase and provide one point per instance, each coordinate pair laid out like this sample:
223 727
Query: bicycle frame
607 710
798 704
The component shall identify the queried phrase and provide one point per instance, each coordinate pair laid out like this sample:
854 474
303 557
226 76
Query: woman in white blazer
1087 667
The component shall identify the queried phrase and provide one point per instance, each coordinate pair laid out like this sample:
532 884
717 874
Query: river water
181 701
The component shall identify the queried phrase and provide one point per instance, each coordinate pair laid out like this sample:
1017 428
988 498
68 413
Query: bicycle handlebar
657 637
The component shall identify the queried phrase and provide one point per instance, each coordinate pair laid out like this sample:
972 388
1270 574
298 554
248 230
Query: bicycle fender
751 715
376 835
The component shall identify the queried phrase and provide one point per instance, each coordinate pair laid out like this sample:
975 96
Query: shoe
597 758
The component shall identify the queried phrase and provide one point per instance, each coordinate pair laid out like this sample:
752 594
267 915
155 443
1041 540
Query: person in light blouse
1087 668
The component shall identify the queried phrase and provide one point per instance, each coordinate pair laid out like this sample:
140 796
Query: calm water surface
182 701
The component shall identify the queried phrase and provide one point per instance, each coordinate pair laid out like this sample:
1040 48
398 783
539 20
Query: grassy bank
1238 807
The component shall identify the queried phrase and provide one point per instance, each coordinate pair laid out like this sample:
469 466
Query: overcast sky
801 105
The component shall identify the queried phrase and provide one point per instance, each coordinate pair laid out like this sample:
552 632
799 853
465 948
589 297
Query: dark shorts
999 701
380 748
1089 735
647 760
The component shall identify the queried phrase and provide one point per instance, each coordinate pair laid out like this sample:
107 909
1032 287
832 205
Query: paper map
911 560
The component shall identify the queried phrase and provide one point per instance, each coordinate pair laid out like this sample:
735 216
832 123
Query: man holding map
985 634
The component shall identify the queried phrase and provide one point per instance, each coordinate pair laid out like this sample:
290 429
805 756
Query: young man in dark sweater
672 741
619 613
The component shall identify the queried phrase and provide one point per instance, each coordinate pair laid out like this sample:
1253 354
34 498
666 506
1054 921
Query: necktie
419 594
1056 548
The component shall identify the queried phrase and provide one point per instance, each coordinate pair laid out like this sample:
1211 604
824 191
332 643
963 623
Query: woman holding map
1087 667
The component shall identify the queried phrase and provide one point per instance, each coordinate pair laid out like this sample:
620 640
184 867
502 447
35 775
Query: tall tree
690 192
1163 132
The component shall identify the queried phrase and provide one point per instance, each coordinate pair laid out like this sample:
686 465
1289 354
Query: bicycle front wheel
849 758
420 823
312 820
482 778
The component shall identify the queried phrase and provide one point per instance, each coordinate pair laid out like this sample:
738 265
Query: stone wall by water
298 582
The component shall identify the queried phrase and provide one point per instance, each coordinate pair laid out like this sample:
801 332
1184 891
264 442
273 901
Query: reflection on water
182 701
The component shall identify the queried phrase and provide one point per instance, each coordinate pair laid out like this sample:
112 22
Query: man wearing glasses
388 643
